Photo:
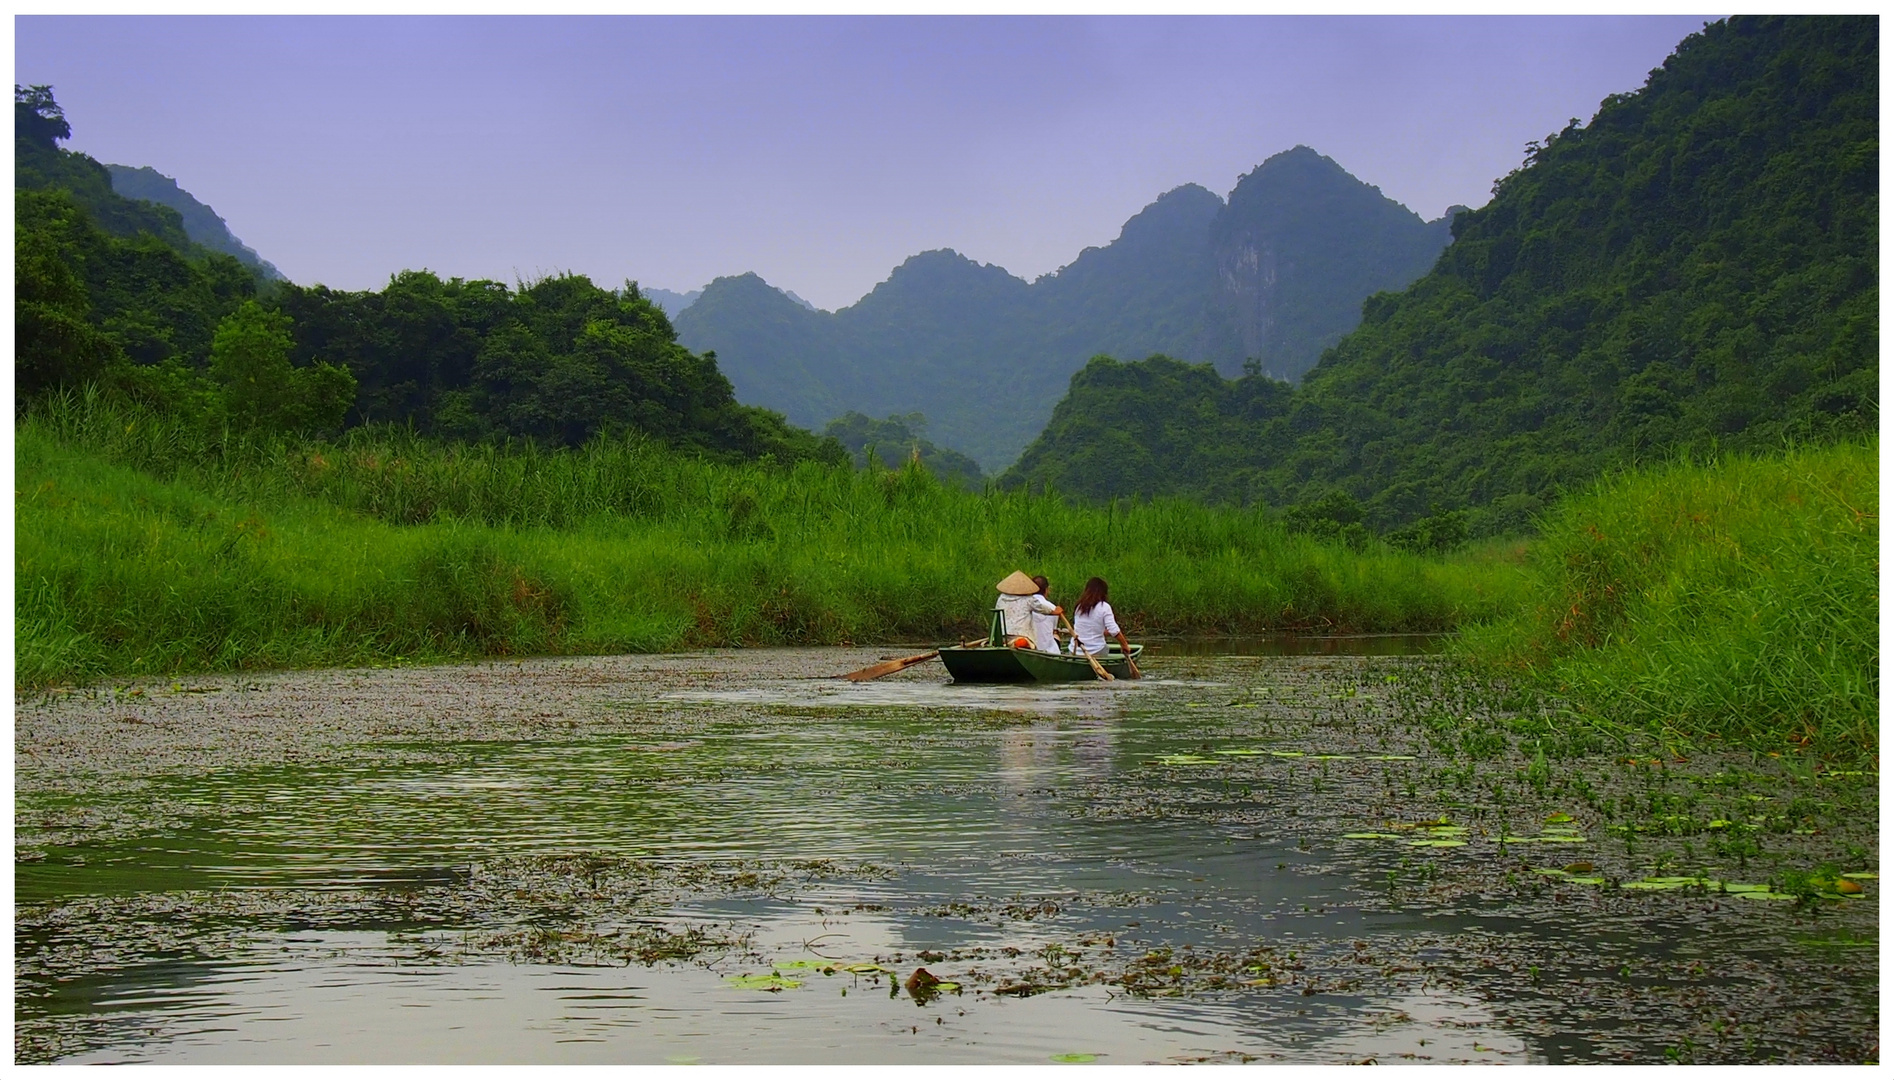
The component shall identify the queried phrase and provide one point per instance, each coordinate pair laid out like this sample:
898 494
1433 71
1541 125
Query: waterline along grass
147 546
1734 600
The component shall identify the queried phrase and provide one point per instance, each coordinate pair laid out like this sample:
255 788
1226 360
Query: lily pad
1861 875
1371 836
866 969
1764 895
1549 872
1436 843
1285 753
1563 839
1518 839
1185 759
1446 830
799 965
1074 1059
1586 880
771 982
1331 757
1739 887
1243 752
1556 819
1651 885
1389 757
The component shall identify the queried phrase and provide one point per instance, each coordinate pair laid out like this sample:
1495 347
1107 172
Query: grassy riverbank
1736 600
145 546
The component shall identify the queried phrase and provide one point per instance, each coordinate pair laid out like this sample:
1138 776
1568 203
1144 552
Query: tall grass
1735 600
144 545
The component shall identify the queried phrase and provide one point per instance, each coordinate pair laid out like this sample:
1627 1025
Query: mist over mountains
201 223
1265 282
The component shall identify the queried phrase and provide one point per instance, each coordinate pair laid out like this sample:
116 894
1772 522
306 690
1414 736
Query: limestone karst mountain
1268 279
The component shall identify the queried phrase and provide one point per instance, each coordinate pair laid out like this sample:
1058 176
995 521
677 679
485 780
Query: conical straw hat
1018 584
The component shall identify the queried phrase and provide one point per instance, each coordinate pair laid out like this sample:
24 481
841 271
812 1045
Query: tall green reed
1733 600
145 544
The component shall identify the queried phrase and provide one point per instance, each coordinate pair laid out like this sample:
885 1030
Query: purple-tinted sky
819 152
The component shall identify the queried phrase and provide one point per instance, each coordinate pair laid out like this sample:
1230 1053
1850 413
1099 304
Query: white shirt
1045 631
1092 626
1018 613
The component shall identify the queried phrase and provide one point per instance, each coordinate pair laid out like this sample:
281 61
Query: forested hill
1269 279
40 164
112 295
201 223
1695 268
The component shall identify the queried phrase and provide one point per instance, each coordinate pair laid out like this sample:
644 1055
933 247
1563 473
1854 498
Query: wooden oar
889 667
1097 668
1132 664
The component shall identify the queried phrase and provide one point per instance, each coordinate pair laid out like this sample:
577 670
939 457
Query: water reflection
355 997
988 819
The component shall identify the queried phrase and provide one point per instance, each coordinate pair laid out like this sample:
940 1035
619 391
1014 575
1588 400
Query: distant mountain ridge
201 223
671 302
1263 282
675 302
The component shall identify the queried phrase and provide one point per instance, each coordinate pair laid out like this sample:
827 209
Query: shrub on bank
1735 600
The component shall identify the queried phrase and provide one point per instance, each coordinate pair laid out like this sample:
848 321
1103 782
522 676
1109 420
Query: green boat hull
1005 664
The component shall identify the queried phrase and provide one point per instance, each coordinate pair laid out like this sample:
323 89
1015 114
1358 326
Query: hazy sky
818 152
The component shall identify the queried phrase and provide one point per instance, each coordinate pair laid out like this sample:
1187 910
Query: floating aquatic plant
771 982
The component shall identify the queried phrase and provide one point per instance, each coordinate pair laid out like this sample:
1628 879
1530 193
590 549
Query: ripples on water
964 795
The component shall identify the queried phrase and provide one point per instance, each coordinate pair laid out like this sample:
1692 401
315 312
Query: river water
733 857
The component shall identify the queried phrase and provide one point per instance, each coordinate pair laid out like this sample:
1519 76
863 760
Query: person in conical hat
1019 601
1045 624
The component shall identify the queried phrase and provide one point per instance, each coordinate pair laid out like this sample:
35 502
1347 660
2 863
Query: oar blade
888 667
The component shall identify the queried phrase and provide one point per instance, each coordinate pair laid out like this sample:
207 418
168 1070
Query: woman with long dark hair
1092 619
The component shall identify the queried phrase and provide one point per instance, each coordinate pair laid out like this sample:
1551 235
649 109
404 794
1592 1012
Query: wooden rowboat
1007 664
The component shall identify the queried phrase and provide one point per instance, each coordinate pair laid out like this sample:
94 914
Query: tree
37 116
55 343
249 360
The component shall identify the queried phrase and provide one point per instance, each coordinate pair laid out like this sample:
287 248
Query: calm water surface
346 910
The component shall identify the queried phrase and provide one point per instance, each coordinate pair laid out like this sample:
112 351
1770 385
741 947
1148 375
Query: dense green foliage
1734 600
1149 428
147 545
39 124
1267 281
559 360
200 222
1696 267
897 440
110 290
